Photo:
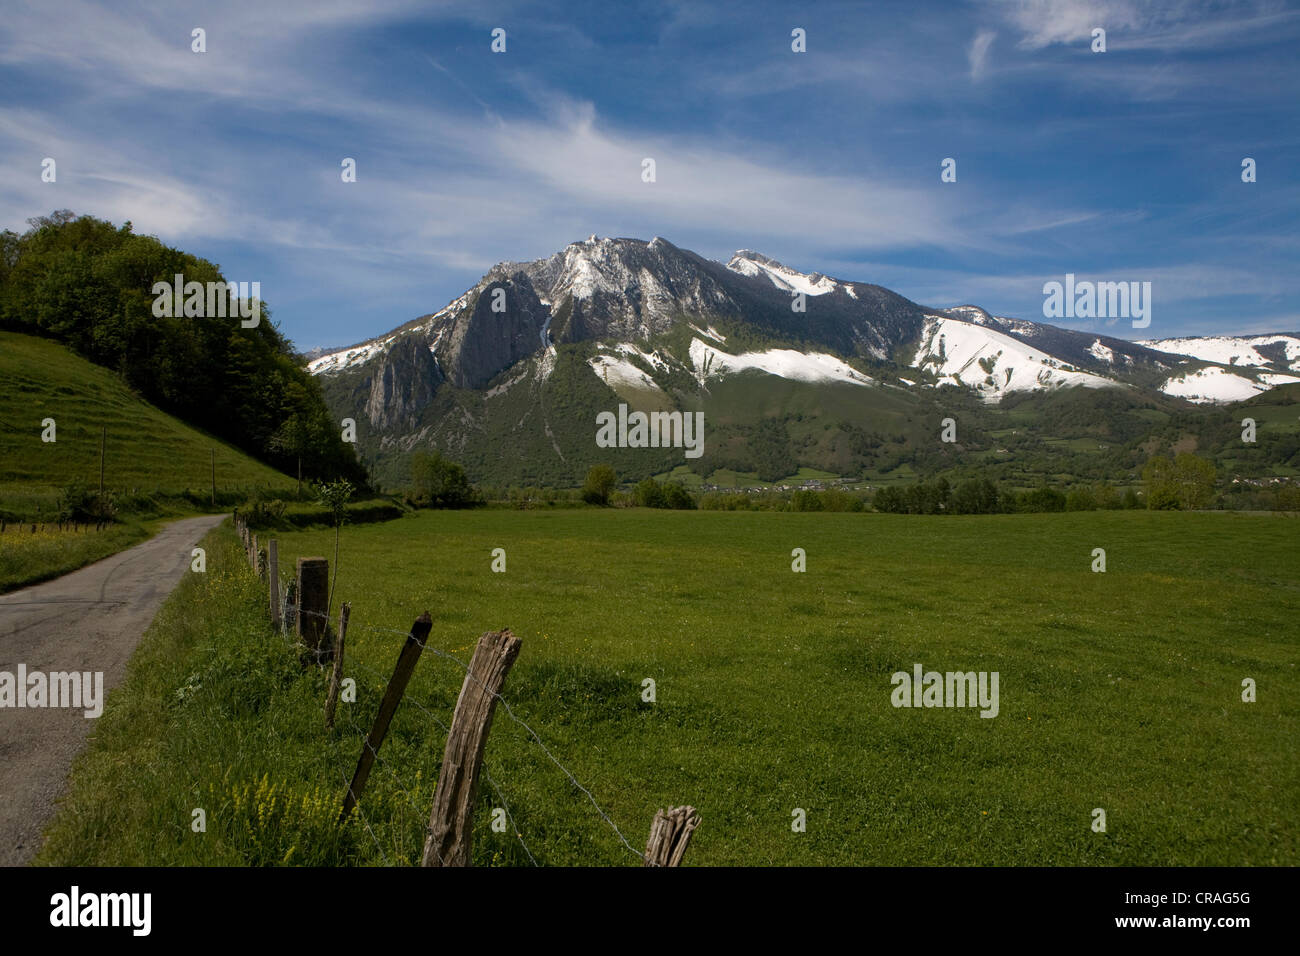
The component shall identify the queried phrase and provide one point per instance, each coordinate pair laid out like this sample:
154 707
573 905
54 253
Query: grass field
1120 691
155 465
26 558
147 451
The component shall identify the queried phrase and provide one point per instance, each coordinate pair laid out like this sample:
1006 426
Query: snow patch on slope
338 361
617 369
953 350
709 332
1102 352
614 371
783 363
1219 385
1231 350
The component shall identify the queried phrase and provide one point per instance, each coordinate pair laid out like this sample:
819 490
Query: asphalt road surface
89 620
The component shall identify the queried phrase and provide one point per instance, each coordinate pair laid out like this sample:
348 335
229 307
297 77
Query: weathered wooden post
670 833
313 593
406 661
273 569
450 835
332 699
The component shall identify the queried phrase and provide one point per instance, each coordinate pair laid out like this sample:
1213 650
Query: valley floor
773 695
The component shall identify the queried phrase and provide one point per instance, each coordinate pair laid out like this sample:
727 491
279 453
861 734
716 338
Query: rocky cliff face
501 324
404 381
628 289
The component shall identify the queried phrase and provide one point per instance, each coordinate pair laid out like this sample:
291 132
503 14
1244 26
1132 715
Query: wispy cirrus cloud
979 51
1148 24
465 158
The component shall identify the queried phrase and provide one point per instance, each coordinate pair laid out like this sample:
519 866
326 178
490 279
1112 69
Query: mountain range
791 370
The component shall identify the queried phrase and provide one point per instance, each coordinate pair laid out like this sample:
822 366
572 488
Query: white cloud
579 161
979 50
1149 24
1045 22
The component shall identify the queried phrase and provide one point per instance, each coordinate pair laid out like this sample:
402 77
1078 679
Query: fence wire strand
285 624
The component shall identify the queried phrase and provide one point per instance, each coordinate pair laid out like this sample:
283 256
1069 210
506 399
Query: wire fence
378 683
424 711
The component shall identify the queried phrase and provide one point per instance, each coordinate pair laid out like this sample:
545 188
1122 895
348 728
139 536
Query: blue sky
1123 165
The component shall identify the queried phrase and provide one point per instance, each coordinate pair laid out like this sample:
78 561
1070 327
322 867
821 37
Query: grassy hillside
1120 690
147 452
88 284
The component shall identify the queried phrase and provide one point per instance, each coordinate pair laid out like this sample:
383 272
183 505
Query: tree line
1182 482
89 285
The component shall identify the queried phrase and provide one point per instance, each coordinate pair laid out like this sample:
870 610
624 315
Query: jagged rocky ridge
628 291
660 326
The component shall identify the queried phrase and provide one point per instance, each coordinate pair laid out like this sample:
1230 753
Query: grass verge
27 558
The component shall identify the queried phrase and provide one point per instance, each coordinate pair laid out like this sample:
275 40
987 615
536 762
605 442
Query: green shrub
79 503
1080 499
677 497
600 484
648 493
438 482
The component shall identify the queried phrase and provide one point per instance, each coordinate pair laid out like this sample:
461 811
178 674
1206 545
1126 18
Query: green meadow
147 451
1119 690
154 465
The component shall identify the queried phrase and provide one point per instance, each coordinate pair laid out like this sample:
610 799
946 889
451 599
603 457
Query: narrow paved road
89 620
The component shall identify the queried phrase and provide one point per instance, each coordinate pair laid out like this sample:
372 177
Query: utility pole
214 478
103 440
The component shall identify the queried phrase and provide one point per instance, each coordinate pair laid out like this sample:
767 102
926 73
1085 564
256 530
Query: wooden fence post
273 571
332 699
669 835
313 593
406 661
450 834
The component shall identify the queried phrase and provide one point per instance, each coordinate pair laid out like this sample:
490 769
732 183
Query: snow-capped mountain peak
626 296
750 263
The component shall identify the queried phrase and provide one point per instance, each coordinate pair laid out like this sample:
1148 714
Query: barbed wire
365 743
487 774
299 611
362 814
412 699
572 779
510 712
